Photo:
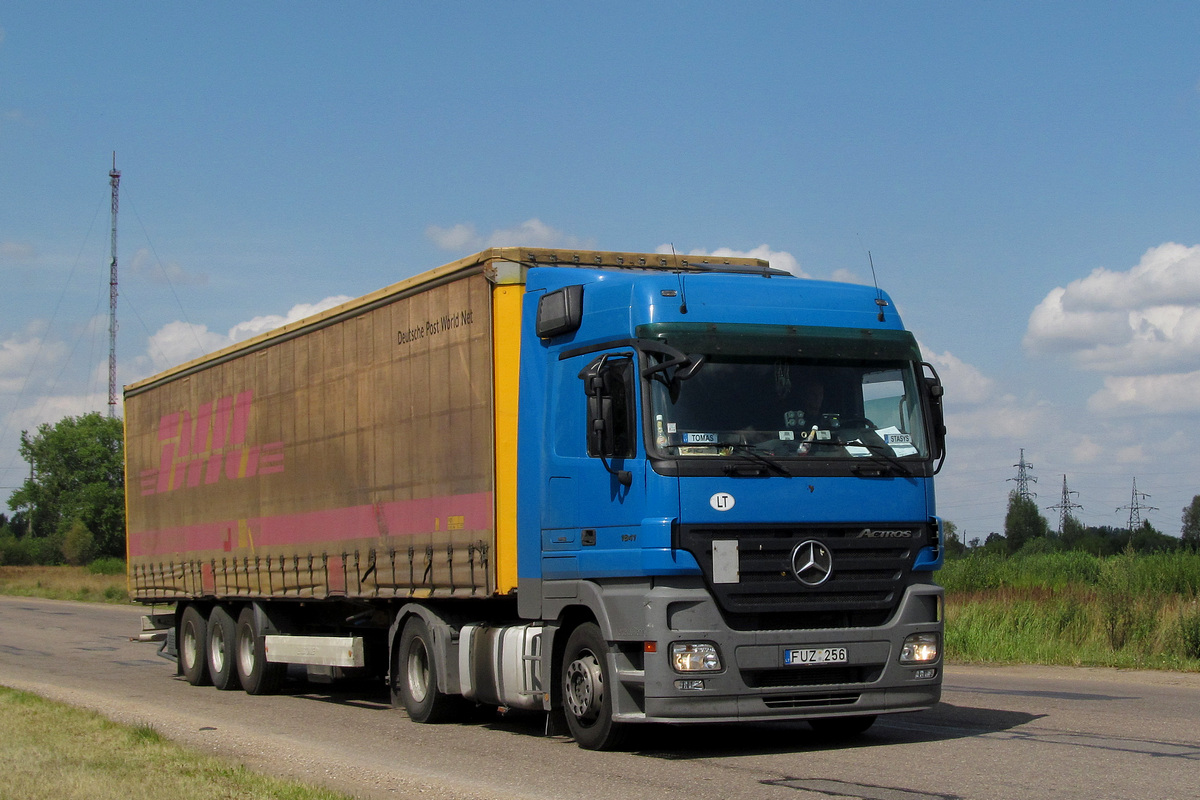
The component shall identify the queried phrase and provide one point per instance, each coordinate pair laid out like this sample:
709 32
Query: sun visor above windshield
807 341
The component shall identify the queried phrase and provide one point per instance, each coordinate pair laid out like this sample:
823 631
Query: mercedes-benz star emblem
812 563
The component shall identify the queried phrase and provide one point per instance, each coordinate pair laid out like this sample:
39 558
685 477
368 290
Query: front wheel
587 697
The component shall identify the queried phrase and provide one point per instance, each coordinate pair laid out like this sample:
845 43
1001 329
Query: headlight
695 657
919 648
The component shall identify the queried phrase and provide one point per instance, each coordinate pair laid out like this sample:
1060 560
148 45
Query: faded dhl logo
209 446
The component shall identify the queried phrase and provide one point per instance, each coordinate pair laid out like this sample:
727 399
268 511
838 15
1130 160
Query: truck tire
414 681
842 727
587 700
193 646
257 675
222 633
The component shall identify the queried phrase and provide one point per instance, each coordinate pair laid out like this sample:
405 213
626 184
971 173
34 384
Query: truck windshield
788 407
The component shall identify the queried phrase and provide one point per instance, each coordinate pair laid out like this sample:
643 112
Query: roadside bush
28 551
107 566
79 544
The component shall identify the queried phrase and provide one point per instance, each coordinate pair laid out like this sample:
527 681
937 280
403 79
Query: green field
1129 611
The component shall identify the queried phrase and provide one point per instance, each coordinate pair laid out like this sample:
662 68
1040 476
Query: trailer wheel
587 700
193 646
258 676
414 680
222 633
842 727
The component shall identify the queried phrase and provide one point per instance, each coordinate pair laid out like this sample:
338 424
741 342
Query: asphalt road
1022 732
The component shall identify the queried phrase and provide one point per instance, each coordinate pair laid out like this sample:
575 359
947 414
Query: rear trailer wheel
587 698
414 681
222 632
193 646
842 727
258 676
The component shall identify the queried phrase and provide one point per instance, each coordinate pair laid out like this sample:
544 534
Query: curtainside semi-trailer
614 487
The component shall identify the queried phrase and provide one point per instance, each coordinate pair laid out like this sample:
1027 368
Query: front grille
811 676
809 700
868 579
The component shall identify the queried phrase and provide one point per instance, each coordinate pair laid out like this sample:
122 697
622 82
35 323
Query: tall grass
1074 608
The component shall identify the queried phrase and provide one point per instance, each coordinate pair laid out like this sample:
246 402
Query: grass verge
55 752
63 583
1072 627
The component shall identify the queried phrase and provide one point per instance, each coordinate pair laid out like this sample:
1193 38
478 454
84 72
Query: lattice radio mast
1064 506
1023 478
114 180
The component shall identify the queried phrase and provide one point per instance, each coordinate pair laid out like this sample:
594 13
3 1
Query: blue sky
1025 176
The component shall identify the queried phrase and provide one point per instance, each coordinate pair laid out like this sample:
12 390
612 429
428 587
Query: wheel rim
418 671
217 650
191 647
583 692
245 650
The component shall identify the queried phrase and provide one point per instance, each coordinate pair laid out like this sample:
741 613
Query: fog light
695 657
690 685
919 648
924 674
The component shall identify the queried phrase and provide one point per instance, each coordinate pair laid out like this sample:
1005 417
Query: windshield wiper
752 453
879 455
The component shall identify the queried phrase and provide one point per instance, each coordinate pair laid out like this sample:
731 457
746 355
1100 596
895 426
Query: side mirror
606 383
934 391
559 312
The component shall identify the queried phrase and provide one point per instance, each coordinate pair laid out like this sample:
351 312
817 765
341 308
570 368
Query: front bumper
754 683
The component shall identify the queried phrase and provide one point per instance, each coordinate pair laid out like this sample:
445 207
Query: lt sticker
721 501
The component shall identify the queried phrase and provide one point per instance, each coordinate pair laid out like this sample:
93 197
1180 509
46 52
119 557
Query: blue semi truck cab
725 503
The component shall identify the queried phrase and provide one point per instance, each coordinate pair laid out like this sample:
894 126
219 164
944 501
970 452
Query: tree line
1027 531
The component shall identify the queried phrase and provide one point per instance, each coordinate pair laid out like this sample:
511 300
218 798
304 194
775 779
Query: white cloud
1141 321
964 382
843 275
269 322
531 233
179 342
1167 274
20 352
458 238
780 259
1140 327
1004 418
1155 394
